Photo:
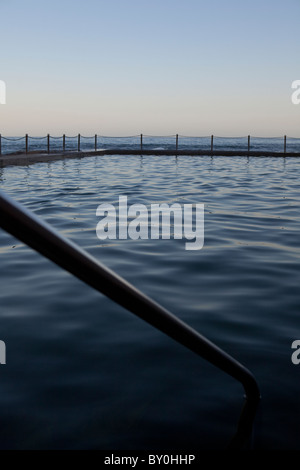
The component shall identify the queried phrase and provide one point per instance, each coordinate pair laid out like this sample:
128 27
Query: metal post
0 144
29 229
26 143
177 138
141 142
285 144
96 142
78 142
249 143
48 143
212 143
64 142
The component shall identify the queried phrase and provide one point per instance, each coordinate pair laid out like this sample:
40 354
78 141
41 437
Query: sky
124 67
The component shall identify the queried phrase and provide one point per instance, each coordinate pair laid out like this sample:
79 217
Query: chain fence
175 142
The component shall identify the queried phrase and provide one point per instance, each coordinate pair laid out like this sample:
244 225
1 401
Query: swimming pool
84 373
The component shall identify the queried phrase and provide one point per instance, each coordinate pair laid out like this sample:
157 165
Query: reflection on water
82 372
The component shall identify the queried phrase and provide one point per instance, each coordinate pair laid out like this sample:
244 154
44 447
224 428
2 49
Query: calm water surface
84 373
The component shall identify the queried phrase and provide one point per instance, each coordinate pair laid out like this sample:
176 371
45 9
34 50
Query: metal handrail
37 234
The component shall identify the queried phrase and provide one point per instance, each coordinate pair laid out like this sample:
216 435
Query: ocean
83 373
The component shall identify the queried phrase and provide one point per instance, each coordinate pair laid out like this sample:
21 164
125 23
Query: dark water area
83 373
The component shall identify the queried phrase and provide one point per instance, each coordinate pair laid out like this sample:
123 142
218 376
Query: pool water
84 373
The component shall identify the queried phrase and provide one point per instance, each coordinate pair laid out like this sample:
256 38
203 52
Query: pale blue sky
122 67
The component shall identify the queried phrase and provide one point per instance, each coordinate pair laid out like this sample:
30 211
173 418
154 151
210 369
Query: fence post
285 144
78 142
0 144
177 138
48 143
212 143
249 140
26 143
64 142
96 142
141 142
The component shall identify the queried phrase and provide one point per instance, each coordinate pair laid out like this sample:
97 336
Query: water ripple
83 373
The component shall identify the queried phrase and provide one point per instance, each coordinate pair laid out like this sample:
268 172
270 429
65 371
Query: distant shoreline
23 159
